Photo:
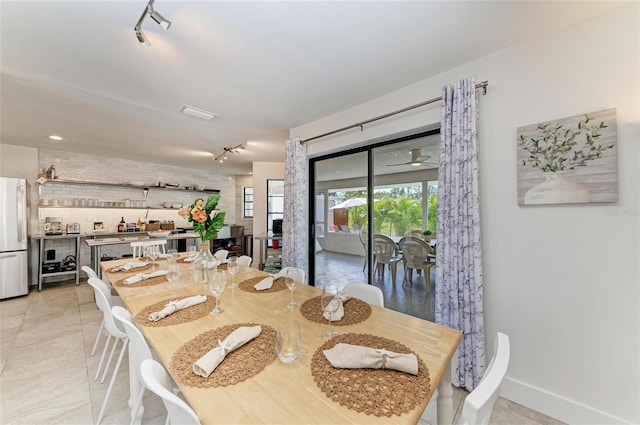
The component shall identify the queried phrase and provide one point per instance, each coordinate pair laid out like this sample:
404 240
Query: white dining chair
116 332
157 380
221 254
367 293
478 405
298 274
245 260
139 246
138 352
115 300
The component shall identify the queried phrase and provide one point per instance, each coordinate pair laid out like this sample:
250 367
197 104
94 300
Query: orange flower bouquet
206 220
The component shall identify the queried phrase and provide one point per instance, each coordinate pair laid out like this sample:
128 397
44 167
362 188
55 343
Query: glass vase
204 265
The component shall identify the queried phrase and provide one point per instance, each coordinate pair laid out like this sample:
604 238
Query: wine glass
152 253
330 303
291 284
288 340
192 252
233 268
217 283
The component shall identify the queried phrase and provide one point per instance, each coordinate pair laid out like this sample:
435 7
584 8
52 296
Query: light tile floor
46 371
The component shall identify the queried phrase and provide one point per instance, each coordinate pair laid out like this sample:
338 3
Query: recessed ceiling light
197 113
54 137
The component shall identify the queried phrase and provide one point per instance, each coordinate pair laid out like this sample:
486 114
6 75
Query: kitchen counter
125 238
42 238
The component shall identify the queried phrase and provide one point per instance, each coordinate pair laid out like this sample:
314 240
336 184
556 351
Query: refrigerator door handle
20 197
3 256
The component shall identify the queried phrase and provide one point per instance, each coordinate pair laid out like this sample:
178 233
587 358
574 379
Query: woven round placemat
239 365
133 270
150 260
379 392
355 311
148 282
183 260
247 285
181 316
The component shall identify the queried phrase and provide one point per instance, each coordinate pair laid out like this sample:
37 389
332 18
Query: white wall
561 280
262 171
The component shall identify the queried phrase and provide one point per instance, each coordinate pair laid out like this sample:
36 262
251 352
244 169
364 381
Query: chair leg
95 344
427 278
106 366
125 342
104 352
393 267
136 407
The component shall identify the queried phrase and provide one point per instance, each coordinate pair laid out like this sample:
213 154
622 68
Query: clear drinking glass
172 254
291 284
233 268
217 283
288 340
329 302
173 272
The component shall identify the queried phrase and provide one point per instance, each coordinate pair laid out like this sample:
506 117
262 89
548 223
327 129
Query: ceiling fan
416 159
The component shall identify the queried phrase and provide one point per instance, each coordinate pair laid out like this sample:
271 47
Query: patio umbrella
353 202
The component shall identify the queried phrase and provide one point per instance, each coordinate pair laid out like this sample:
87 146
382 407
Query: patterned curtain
459 261
294 224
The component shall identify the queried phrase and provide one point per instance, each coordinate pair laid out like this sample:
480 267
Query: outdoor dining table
285 393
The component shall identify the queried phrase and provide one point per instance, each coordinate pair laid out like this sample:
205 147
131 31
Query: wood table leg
445 398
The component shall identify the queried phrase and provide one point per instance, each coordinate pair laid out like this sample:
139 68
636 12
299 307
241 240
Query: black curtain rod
483 85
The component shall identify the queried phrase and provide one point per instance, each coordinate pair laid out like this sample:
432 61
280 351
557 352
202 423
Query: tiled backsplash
95 168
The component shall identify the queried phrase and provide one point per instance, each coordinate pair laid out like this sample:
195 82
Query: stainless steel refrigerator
14 280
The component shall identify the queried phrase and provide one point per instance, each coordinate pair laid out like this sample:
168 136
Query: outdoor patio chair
415 255
385 253
364 240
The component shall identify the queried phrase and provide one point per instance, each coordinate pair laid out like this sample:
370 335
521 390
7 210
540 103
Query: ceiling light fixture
236 149
54 137
156 16
197 113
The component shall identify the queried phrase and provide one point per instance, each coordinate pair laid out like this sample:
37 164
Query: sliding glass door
379 191
340 218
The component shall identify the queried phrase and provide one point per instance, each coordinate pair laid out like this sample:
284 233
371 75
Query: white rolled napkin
174 306
265 283
144 276
129 266
348 356
236 339
339 314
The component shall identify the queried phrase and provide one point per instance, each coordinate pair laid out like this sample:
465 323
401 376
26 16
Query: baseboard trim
556 406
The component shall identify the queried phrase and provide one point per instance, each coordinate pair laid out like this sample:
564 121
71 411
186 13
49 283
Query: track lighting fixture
236 149
156 16
142 40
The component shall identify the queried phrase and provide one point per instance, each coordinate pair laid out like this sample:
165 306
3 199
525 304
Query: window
247 202
275 202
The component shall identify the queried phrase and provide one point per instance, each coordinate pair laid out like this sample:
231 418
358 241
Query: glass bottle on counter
122 226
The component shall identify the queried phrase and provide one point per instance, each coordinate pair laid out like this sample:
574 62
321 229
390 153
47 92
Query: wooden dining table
285 393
